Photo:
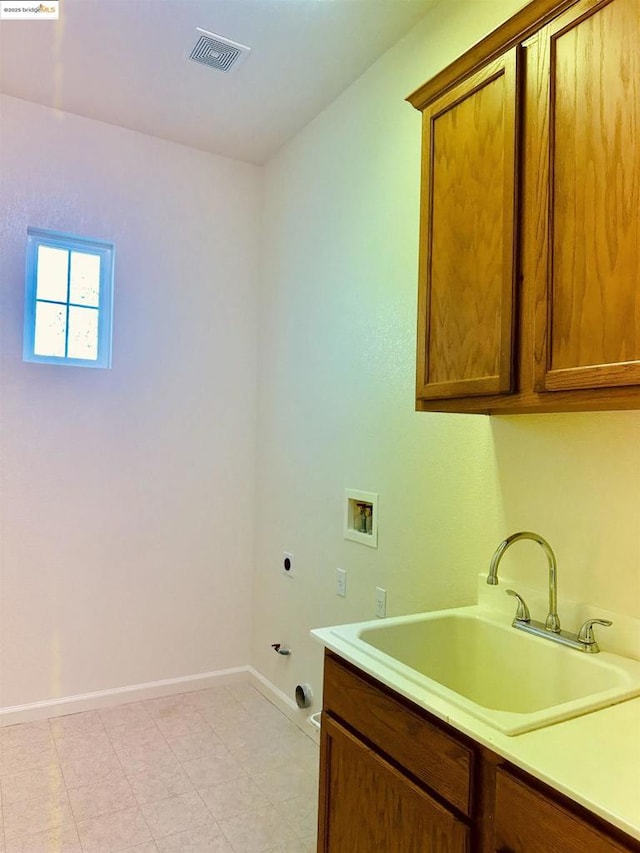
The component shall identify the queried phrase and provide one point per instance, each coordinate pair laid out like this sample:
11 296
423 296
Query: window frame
71 242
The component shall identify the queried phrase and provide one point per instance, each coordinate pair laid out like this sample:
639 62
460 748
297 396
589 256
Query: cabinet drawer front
529 822
433 757
368 805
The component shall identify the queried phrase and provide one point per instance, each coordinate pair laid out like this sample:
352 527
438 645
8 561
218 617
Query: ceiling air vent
218 52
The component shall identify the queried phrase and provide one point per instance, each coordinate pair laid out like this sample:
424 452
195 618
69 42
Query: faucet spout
553 620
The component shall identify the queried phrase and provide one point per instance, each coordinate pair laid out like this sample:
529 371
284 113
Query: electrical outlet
381 602
341 583
287 564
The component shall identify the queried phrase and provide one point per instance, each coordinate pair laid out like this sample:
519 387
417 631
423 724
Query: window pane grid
84 279
52 280
82 271
69 293
72 304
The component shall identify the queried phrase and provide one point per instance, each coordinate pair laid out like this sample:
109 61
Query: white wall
336 401
575 479
127 494
127 500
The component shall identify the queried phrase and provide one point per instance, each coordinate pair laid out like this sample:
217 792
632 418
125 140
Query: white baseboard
121 695
153 690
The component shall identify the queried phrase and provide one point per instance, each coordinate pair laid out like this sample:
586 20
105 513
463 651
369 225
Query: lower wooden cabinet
529 821
393 779
369 805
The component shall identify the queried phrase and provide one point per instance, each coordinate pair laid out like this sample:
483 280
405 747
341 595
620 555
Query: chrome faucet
584 640
553 620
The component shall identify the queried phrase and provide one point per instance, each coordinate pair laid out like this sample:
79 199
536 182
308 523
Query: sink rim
424 689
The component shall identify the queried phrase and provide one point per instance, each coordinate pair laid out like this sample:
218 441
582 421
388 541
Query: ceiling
126 62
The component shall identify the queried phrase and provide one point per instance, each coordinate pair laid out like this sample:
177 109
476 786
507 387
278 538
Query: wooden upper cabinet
467 269
585 71
529 283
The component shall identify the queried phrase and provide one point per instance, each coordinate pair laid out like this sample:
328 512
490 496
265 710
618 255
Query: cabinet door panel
432 756
529 822
467 266
592 64
367 805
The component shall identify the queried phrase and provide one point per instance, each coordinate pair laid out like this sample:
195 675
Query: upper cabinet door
587 77
468 235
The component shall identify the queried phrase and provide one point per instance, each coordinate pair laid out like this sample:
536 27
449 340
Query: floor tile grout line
139 804
66 784
225 739
104 814
64 781
126 776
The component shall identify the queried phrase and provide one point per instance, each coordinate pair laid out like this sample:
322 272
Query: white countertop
594 759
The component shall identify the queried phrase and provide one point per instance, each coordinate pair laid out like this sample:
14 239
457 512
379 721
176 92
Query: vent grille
218 52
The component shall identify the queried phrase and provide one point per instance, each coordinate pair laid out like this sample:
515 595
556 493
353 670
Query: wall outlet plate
381 602
341 583
287 564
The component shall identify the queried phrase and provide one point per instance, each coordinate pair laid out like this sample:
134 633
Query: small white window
68 299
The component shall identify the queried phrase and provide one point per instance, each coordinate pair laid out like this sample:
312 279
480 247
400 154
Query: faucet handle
586 635
522 613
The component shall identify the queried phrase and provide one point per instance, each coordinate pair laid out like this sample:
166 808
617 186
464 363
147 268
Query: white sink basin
511 680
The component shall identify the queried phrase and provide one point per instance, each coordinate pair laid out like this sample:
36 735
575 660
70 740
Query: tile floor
220 770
